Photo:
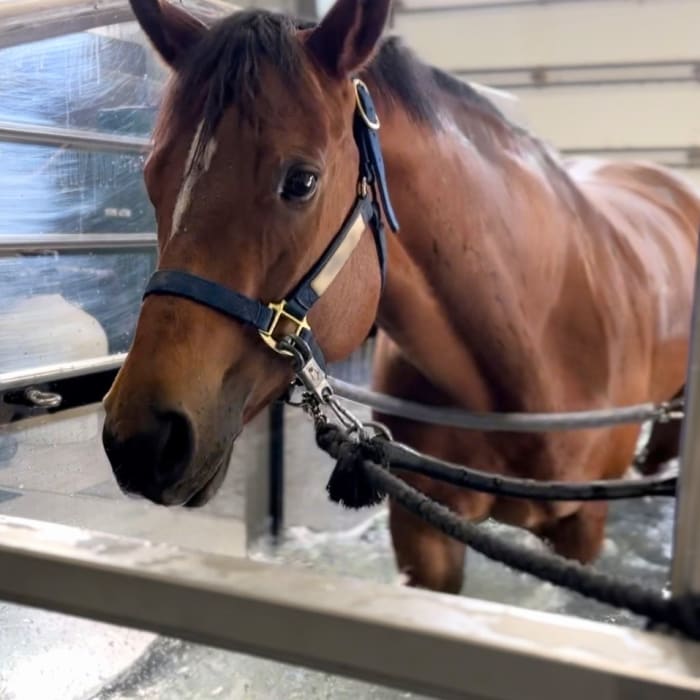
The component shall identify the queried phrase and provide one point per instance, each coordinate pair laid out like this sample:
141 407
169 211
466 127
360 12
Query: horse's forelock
225 68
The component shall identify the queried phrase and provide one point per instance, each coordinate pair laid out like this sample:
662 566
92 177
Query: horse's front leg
426 557
423 554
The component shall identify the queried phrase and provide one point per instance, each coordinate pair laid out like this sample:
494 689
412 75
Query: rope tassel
350 483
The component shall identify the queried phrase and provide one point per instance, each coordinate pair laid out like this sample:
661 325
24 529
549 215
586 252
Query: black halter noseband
371 191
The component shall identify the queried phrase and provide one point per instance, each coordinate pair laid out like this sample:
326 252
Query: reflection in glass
76 80
58 307
45 189
69 306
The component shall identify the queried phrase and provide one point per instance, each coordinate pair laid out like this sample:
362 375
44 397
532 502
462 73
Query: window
76 112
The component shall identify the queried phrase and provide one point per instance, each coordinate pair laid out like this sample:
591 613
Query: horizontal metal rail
37 243
679 158
19 379
23 21
432 8
438 645
582 75
594 81
606 65
76 138
506 422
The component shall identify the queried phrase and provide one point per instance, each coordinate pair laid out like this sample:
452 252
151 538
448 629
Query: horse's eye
299 185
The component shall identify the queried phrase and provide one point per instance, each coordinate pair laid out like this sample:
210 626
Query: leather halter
371 191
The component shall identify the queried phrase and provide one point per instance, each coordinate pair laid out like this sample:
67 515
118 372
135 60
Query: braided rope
679 614
399 456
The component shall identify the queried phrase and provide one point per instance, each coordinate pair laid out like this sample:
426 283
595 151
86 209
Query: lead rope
358 480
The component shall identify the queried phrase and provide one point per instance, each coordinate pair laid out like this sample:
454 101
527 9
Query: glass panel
104 79
65 307
44 189
69 306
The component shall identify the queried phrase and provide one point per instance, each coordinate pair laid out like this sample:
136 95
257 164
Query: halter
371 191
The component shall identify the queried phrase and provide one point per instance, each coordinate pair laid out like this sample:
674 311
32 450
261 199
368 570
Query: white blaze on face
191 175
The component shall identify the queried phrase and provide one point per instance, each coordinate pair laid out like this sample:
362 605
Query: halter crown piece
372 197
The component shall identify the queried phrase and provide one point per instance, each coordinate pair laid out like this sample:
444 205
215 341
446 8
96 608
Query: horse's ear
346 37
171 29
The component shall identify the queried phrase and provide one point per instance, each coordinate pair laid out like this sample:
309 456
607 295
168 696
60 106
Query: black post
276 469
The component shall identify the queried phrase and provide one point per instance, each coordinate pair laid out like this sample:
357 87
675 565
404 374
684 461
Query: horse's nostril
154 458
177 446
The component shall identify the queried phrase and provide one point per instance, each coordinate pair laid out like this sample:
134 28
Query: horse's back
650 188
649 213
647 241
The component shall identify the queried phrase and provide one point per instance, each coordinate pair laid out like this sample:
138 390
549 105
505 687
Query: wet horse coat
517 282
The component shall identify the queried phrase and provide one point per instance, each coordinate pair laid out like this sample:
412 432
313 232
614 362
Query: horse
516 281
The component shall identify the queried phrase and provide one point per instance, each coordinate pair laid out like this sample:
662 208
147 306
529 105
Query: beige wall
591 75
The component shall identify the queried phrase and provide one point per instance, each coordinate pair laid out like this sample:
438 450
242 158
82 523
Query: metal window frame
20 379
24 21
83 139
21 244
444 646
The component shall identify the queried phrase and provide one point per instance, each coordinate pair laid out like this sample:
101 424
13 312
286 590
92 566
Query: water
637 547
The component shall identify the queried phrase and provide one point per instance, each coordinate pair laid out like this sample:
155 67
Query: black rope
683 615
399 457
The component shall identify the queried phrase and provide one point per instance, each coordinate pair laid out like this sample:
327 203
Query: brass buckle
374 125
280 312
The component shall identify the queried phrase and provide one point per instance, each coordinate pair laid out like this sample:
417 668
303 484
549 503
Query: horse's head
254 178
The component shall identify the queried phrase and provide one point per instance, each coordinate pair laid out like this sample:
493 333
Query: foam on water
638 547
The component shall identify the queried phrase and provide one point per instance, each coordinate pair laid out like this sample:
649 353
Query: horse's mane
402 77
224 68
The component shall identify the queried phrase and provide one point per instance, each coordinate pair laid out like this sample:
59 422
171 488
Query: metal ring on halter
280 313
373 124
297 348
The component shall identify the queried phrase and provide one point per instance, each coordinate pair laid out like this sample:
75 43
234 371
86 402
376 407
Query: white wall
583 32
322 6
591 75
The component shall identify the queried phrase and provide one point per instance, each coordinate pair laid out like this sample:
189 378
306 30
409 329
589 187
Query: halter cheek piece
372 191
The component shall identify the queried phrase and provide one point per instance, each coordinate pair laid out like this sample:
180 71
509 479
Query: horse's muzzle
152 461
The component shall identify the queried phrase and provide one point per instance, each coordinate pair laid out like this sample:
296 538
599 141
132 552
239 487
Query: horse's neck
468 248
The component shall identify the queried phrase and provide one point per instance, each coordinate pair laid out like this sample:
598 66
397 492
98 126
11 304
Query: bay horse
517 281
